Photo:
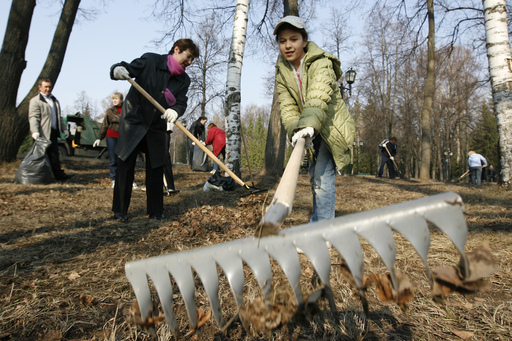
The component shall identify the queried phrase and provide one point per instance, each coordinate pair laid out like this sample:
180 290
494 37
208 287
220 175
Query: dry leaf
154 316
203 317
462 334
481 263
387 293
383 286
448 279
74 275
88 300
51 335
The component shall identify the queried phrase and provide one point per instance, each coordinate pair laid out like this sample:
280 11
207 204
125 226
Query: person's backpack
35 168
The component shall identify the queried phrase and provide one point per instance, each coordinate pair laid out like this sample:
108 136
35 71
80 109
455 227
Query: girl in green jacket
312 107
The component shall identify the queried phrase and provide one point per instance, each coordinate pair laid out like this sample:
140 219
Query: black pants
53 155
124 183
385 160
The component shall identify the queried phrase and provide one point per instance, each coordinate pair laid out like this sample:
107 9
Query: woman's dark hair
201 118
293 28
186 44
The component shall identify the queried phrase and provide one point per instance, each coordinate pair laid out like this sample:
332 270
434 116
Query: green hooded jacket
323 109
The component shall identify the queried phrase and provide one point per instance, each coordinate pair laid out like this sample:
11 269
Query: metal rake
409 219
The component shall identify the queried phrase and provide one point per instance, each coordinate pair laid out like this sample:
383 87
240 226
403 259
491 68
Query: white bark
236 55
500 68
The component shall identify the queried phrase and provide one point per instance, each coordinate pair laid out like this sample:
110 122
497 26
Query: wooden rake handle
282 203
189 134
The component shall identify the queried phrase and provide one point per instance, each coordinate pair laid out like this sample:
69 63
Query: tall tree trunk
12 64
275 148
426 111
232 113
500 67
14 120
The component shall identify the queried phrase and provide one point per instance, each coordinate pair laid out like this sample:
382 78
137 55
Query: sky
120 34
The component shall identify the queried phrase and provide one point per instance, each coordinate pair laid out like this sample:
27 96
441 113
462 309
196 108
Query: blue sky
122 33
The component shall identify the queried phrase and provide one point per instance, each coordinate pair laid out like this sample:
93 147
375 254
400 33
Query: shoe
328 244
213 171
156 216
113 183
134 185
170 192
121 217
64 177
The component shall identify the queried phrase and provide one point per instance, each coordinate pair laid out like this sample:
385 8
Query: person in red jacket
217 138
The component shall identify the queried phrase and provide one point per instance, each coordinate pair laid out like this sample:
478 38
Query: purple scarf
175 69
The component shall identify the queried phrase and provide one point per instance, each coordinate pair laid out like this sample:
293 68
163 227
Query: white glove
193 143
96 143
170 115
392 158
35 136
170 127
66 133
120 72
305 133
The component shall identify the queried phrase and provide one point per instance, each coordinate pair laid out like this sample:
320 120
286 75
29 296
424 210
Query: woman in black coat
142 127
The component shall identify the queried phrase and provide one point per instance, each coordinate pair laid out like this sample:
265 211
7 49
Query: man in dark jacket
387 157
142 127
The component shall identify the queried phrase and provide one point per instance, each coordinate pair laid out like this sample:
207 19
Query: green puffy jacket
323 109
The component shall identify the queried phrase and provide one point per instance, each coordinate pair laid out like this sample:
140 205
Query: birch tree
500 68
232 111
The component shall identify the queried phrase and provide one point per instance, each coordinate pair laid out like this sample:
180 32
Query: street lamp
350 77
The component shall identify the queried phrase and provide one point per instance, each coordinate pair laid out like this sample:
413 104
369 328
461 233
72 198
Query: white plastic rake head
409 219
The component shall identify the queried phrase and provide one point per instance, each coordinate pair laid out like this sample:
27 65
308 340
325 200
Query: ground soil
62 261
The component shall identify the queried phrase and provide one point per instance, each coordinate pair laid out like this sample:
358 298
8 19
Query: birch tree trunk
426 111
500 68
236 55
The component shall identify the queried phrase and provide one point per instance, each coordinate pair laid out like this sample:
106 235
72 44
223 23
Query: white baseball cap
292 20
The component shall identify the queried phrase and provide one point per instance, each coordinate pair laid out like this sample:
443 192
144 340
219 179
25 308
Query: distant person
109 130
312 108
475 163
197 129
169 188
45 121
492 175
217 138
143 128
388 149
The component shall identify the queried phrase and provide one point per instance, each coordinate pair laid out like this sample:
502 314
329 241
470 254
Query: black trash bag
35 168
200 160
225 182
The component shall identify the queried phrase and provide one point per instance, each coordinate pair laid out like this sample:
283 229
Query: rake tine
207 271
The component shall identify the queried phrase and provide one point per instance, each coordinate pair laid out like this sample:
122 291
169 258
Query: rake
251 189
376 226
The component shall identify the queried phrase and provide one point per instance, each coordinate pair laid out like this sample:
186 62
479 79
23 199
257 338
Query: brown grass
62 261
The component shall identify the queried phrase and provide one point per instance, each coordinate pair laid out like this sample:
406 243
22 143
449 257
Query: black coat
140 117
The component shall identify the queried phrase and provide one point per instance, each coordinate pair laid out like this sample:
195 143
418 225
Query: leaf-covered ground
62 262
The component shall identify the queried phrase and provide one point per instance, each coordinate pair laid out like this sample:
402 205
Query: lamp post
360 144
350 77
